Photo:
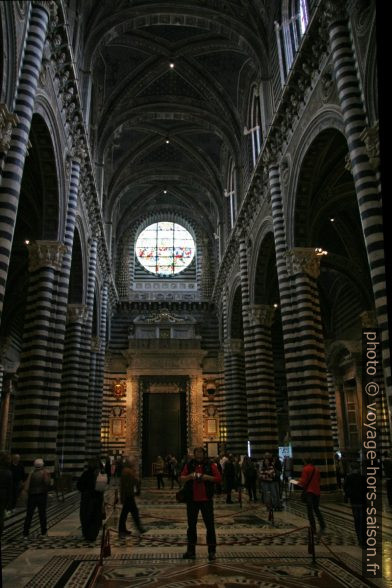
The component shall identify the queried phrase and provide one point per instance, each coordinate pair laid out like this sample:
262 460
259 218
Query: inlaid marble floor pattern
251 550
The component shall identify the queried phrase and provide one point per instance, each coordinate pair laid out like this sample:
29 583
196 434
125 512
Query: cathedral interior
191 255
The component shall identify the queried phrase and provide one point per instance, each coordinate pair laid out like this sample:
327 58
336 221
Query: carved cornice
77 313
46 254
8 120
303 260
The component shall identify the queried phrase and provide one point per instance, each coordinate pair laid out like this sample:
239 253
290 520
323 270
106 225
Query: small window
295 20
255 126
231 193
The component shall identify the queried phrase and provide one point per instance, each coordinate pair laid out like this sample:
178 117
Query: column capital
46 254
335 12
371 139
233 346
8 120
95 344
262 314
49 5
303 260
270 156
76 313
78 152
368 319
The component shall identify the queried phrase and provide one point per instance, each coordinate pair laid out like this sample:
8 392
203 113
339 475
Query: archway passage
164 419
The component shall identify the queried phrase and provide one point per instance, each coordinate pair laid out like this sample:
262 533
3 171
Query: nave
251 550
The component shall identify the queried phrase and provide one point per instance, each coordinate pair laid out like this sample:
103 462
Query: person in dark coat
18 477
5 486
354 488
229 478
129 487
91 502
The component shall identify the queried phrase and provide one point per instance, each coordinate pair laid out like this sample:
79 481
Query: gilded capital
303 260
76 313
262 314
46 254
8 121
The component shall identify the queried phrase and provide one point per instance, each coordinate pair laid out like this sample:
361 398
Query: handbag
101 482
180 495
304 490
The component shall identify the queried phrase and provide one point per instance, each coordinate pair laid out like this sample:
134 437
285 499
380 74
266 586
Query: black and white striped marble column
309 411
260 385
364 175
39 385
74 393
235 397
11 178
89 357
303 414
96 378
332 408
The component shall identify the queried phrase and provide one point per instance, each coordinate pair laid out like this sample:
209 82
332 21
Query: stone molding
303 260
46 254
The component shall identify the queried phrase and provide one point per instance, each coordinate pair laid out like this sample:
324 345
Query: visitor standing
37 487
18 478
91 501
5 486
200 476
310 483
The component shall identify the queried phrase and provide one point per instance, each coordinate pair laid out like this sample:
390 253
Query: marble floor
252 550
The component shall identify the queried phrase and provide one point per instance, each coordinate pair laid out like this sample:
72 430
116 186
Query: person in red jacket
200 476
310 483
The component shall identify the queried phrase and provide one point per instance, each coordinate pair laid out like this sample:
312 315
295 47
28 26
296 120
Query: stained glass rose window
165 248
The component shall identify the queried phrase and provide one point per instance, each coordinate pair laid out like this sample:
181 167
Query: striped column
235 429
364 176
310 422
73 403
14 161
235 397
298 413
332 408
260 385
39 384
98 345
88 358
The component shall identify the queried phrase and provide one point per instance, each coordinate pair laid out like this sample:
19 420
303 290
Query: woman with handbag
310 484
92 485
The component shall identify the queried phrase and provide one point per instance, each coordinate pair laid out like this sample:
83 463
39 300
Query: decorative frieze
303 260
8 120
46 254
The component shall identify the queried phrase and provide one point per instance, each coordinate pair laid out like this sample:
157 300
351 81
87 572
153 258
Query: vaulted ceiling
155 127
